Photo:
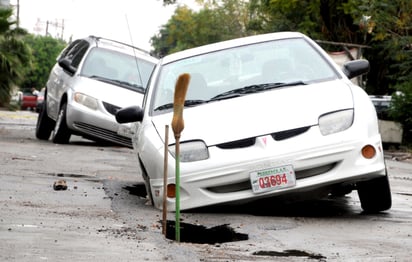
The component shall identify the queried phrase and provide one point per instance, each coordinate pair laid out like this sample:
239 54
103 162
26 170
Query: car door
60 79
52 99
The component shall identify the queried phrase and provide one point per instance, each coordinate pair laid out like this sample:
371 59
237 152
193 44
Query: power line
56 25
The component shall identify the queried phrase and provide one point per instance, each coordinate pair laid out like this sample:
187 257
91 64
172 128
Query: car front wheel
61 133
147 184
375 194
44 125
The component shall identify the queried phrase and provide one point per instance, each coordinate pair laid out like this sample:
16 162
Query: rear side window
75 52
80 51
68 49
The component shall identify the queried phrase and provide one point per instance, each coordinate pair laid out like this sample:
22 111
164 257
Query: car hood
109 93
261 113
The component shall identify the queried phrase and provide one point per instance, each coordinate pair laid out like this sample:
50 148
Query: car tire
375 194
44 125
61 133
341 191
147 184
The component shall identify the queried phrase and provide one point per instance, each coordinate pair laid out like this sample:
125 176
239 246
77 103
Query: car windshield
117 68
243 70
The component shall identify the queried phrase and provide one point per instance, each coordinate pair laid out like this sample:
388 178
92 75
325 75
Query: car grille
278 136
103 134
282 135
238 144
314 171
112 109
245 185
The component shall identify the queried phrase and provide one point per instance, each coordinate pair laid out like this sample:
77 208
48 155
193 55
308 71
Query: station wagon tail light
85 100
335 122
191 151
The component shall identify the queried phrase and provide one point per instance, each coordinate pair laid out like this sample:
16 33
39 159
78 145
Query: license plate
272 179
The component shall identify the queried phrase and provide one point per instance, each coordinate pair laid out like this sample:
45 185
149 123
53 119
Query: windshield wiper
294 83
100 78
125 84
234 93
131 86
253 89
188 103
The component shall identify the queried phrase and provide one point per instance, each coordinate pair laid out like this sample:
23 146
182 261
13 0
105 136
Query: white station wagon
93 78
265 116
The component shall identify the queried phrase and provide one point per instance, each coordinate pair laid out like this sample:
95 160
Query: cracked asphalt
103 214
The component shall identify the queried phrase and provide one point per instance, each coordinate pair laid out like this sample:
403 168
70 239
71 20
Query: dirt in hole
67 175
199 234
290 253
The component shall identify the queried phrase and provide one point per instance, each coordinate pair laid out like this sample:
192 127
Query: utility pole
18 14
56 25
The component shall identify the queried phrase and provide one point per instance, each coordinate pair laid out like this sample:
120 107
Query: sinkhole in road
192 233
199 234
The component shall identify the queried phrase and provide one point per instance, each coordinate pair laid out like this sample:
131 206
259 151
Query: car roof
229 44
121 47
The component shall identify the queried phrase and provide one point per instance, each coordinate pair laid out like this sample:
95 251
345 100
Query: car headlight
335 122
191 151
85 100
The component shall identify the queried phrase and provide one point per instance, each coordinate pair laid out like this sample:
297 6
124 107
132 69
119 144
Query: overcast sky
110 19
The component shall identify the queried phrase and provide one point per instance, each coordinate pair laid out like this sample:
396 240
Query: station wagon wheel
61 133
44 125
375 194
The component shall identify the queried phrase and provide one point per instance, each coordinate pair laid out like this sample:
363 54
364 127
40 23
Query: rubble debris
60 185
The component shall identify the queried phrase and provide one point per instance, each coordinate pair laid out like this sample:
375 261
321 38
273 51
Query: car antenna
134 51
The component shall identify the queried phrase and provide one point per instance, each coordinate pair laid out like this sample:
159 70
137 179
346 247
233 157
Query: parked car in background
382 105
40 100
92 79
28 102
391 131
16 97
265 116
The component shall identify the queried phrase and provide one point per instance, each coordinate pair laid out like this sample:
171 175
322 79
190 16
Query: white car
92 79
265 116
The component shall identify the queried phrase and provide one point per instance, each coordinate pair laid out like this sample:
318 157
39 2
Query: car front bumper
225 177
97 124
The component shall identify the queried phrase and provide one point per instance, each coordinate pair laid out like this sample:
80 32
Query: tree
169 2
15 55
45 49
214 22
401 109
389 33
319 19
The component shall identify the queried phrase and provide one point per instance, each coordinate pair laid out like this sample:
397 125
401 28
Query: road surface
103 214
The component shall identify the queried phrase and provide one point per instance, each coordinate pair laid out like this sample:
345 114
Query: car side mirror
356 68
129 114
66 65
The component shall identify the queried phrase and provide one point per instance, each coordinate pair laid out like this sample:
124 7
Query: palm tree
15 55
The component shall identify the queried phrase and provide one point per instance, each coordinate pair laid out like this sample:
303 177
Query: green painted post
177 221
